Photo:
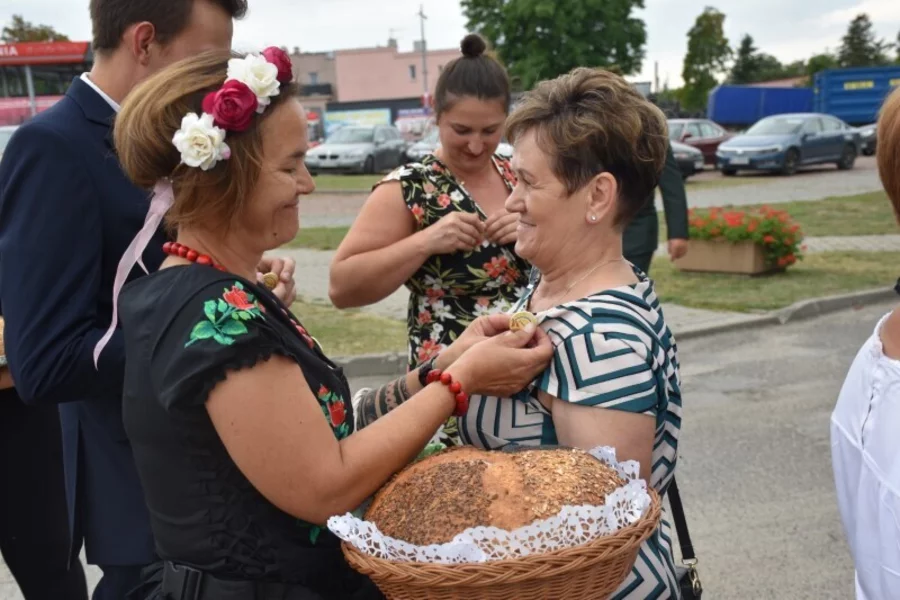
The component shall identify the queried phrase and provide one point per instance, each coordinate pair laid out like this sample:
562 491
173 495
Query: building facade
385 73
369 85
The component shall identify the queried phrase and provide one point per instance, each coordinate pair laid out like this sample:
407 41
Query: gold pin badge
270 280
521 319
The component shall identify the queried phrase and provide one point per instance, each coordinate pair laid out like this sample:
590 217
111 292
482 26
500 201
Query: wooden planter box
745 258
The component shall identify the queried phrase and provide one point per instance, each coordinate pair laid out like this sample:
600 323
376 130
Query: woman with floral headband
241 427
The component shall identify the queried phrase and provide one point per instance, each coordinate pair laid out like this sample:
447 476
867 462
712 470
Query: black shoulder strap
684 538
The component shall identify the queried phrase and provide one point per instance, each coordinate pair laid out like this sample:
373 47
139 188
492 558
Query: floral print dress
451 290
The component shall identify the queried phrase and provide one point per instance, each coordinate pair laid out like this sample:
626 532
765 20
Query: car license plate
740 160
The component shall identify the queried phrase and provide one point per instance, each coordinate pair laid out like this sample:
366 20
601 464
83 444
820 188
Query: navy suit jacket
67 213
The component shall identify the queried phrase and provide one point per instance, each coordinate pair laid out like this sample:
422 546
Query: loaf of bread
437 498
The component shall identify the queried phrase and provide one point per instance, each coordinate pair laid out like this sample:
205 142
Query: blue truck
854 95
739 106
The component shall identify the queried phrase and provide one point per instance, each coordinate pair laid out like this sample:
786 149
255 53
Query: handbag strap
681 527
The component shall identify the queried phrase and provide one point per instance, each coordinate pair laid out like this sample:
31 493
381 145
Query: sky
788 29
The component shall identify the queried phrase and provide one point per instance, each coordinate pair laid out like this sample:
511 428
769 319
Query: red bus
35 75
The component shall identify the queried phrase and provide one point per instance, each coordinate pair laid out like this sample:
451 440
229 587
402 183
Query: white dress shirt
865 454
87 79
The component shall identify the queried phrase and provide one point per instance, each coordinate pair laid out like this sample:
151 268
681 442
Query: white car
6 132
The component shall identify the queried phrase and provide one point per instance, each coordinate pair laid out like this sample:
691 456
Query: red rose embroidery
323 391
232 107
238 299
338 414
280 59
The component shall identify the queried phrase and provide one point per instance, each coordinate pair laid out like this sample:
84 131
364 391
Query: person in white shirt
865 425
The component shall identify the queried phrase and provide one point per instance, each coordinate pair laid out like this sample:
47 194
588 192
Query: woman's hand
504 364
478 330
286 290
502 228
456 231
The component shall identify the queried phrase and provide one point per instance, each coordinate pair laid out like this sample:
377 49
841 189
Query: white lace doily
572 526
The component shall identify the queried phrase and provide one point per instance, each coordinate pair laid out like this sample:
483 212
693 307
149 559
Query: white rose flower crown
249 87
250 84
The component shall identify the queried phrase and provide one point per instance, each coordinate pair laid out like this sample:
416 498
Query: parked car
358 149
867 135
689 159
431 142
783 143
6 132
423 147
702 134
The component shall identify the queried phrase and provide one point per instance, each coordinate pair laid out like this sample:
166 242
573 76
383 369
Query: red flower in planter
772 229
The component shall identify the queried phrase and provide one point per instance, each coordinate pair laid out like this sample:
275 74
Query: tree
752 66
821 62
707 58
745 62
897 46
20 30
860 47
541 39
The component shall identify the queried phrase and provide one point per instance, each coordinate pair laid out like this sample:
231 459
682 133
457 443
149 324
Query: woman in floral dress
439 226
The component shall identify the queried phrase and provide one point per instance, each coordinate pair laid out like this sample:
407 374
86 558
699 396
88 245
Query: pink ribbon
161 202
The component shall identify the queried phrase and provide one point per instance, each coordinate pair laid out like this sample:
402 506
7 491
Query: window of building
412 71
313 78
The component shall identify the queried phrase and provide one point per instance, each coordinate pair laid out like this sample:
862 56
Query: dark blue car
783 143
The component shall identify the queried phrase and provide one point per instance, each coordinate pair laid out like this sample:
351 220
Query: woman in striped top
588 152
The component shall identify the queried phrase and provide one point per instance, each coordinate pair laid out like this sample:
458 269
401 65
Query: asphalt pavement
755 471
755 460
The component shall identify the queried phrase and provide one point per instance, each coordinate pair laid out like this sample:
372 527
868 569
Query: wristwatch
424 369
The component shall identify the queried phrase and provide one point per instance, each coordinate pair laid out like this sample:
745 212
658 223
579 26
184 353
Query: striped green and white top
613 350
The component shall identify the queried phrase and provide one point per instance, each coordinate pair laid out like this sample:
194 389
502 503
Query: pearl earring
593 217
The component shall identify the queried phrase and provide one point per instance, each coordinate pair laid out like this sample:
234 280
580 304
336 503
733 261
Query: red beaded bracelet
462 398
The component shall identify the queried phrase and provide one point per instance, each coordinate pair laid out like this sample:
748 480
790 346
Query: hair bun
473 46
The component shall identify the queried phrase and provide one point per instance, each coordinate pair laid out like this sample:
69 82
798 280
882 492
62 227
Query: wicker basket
591 571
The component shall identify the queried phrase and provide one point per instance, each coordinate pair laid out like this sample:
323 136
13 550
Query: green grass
345 183
861 214
319 238
816 275
350 332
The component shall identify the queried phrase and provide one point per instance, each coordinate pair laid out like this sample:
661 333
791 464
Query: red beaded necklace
176 249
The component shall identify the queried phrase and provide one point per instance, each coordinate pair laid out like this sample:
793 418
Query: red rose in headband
282 61
232 106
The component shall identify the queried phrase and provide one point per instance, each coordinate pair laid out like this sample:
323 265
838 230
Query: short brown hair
888 137
591 121
474 74
110 18
151 115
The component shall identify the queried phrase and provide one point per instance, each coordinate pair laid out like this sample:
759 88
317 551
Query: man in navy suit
67 213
